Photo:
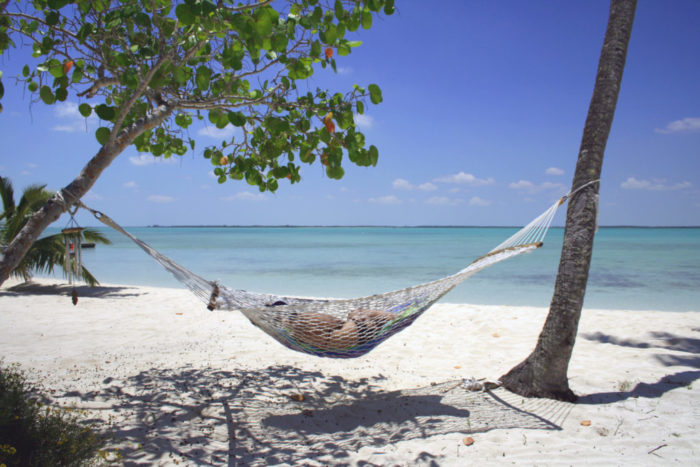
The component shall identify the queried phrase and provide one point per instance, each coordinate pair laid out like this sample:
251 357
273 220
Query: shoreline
62 283
173 381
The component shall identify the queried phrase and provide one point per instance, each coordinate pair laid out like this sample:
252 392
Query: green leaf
52 18
389 8
343 49
203 77
360 107
374 5
331 34
142 19
102 135
184 14
315 49
339 10
373 155
375 94
366 20
183 120
236 118
265 19
61 94
84 31
2 90
57 4
55 68
335 172
47 95
105 112
85 110
32 86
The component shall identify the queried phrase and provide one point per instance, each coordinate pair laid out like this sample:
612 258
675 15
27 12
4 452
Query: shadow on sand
689 357
283 415
34 288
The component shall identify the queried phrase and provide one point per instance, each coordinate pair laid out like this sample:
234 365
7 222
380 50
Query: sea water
632 268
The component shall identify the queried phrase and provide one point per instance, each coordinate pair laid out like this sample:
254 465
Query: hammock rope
341 328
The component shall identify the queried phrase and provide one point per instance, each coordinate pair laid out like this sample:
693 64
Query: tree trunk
544 372
58 204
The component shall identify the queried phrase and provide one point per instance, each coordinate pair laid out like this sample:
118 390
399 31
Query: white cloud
654 185
526 185
364 121
66 109
465 178
686 125
554 171
344 70
90 196
130 184
70 119
218 133
160 199
244 196
444 201
148 159
401 184
522 185
476 201
438 200
390 199
427 187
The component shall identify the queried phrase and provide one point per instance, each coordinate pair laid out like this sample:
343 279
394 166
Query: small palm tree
47 252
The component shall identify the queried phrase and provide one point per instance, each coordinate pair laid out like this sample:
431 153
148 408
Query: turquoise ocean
632 268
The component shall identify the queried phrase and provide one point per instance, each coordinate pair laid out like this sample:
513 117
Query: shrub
35 434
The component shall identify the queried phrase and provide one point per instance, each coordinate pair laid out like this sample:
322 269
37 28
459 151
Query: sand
171 383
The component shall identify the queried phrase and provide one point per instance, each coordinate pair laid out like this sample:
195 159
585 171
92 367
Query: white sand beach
177 384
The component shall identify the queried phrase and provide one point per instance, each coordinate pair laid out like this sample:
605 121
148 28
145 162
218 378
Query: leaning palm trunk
71 194
544 372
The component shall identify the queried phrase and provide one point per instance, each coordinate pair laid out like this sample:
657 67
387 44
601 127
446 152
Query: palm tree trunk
544 372
52 210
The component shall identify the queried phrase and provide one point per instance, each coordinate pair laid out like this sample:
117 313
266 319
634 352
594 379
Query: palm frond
7 194
95 236
49 252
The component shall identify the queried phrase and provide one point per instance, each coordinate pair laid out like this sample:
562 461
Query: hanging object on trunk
72 258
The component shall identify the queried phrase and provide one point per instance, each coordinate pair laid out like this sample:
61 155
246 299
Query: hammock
341 328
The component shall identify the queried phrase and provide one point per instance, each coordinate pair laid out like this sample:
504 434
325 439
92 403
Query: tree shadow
283 415
34 288
690 357
647 390
663 340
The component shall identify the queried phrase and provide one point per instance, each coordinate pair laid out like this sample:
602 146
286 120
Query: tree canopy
148 68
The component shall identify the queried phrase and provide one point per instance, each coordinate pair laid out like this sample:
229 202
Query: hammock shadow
284 415
34 288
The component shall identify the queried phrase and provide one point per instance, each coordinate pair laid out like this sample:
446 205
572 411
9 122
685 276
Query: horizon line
420 226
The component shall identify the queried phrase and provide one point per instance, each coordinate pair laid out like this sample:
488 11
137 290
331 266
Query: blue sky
484 105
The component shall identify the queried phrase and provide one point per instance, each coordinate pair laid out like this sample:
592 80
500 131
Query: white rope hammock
342 328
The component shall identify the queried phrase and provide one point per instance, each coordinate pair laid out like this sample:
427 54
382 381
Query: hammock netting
340 328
